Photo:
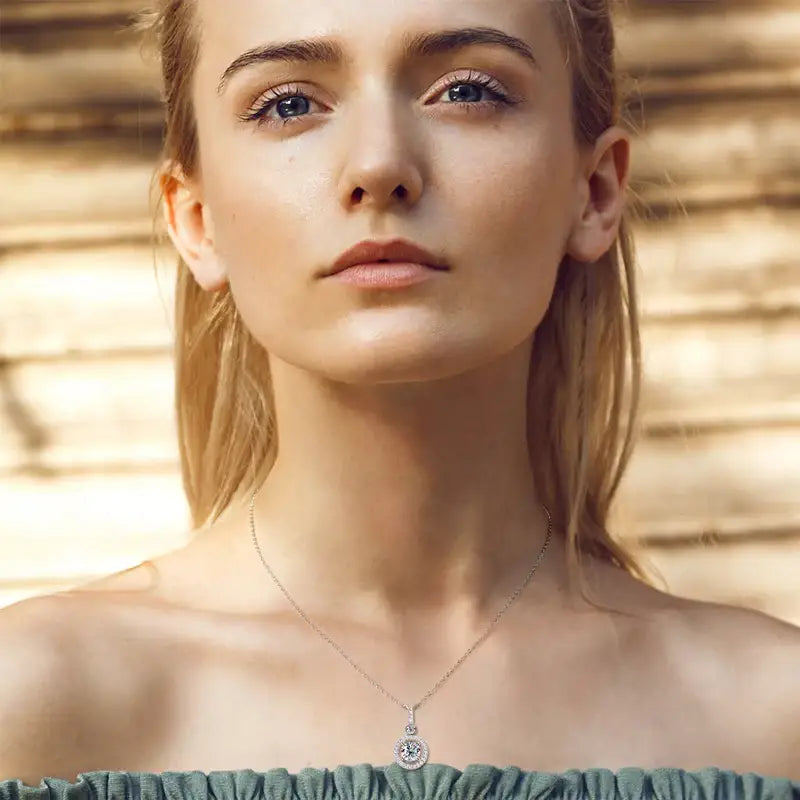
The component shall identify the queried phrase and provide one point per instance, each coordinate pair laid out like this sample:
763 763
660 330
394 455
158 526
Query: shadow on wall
31 433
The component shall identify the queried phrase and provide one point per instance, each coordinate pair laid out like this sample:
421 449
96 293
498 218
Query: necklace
410 750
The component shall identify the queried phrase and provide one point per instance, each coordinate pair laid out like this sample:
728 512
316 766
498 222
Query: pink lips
386 275
394 250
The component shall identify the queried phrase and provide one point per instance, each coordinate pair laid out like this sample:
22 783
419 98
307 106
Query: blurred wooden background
88 460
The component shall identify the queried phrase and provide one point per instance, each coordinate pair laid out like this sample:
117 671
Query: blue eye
294 101
482 81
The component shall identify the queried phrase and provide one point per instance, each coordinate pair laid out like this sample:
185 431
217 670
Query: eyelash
258 113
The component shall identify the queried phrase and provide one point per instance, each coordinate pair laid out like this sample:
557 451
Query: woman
382 458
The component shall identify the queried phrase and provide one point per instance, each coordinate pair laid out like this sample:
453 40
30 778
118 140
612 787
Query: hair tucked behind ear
585 376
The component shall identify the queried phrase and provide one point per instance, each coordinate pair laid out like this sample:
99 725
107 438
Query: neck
392 502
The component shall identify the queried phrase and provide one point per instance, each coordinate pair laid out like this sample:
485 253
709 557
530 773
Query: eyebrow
328 51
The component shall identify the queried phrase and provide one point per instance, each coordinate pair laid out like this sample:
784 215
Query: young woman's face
467 151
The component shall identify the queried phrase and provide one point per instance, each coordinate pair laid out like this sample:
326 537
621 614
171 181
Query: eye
291 99
484 84
294 102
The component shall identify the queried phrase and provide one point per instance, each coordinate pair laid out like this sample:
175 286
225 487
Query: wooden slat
88 231
733 483
706 148
783 81
88 414
688 8
735 261
105 180
667 41
721 372
110 71
61 300
43 13
727 192
71 525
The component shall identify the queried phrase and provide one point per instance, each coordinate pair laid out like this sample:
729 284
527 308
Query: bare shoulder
749 642
40 695
63 684
743 667
76 662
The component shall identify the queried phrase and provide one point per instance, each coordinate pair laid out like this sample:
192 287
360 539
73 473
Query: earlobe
209 271
190 228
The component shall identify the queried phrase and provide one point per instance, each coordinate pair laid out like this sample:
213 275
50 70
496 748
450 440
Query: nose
382 154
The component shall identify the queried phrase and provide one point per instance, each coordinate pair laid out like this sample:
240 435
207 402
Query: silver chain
352 663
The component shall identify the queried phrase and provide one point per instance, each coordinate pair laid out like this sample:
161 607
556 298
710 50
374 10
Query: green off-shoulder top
429 782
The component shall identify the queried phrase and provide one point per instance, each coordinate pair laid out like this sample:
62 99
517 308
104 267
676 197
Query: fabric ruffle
392 782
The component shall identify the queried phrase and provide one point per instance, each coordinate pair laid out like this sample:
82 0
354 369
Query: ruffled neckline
433 781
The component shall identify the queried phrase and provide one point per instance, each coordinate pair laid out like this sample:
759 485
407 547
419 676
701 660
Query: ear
191 228
601 197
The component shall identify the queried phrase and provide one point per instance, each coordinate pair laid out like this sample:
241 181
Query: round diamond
411 752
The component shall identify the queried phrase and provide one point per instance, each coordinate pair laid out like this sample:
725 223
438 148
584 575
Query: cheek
518 190
262 200
514 213
263 227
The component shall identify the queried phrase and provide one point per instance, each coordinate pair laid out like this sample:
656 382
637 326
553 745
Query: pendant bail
411 728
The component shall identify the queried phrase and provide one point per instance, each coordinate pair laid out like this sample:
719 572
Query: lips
368 252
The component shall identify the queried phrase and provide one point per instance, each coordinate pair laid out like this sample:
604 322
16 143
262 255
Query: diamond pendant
411 751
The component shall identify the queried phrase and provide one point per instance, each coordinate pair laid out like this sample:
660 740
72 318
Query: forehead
367 29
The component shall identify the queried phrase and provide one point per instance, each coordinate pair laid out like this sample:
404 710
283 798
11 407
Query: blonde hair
584 385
